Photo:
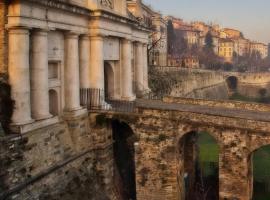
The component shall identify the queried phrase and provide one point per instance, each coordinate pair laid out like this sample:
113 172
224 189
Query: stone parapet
219 103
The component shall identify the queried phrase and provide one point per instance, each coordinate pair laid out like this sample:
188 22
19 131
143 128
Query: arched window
53 102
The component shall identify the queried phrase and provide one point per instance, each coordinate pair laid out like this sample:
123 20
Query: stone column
145 67
72 82
84 46
127 79
139 68
39 75
96 63
96 71
234 170
18 69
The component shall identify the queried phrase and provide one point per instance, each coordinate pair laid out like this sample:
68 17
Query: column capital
41 32
97 37
19 30
144 44
126 40
85 37
71 35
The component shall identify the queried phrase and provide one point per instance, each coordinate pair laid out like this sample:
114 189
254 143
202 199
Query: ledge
63 5
34 125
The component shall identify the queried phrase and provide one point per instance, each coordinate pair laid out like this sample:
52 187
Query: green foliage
161 83
209 43
208 154
238 97
171 37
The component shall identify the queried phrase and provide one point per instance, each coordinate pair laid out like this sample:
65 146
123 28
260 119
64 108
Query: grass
239 97
208 154
208 159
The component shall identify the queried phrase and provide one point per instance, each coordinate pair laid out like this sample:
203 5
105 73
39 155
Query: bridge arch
198 171
232 83
259 173
124 159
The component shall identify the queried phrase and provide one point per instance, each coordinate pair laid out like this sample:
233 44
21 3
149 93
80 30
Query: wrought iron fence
94 99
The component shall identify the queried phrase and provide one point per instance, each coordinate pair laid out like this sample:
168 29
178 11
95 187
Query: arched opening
124 160
109 81
53 102
261 173
232 83
198 167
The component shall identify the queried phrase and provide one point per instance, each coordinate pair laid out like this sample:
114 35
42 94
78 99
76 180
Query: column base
131 98
69 115
33 125
42 117
25 122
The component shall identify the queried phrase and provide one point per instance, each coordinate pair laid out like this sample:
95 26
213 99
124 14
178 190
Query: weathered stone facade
3 38
67 160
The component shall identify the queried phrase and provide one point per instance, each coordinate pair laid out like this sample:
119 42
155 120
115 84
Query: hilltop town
229 45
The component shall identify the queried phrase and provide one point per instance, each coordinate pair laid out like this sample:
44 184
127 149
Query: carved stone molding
107 3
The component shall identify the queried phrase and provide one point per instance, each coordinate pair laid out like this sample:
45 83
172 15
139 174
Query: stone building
226 49
259 47
56 49
232 33
158 52
157 48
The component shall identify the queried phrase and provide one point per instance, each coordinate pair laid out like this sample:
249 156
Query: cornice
100 13
62 5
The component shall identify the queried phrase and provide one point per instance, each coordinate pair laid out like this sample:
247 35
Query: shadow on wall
6 106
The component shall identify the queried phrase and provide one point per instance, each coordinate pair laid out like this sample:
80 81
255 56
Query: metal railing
95 99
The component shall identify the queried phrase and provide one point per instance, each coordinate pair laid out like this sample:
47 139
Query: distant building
191 35
259 47
190 61
158 37
158 52
226 49
232 33
241 46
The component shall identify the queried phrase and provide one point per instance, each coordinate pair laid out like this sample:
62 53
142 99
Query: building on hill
259 47
241 46
232 33
191 35
177 22
190 61
226 49
157 48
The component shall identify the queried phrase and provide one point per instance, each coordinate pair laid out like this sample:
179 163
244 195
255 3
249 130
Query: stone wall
200 84
205 84
160 166
69 160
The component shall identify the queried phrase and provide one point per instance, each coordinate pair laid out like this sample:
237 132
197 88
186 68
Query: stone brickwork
69 160
3 38
161 159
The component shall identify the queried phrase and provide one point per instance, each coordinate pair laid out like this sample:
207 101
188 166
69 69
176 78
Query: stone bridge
164 150
137 155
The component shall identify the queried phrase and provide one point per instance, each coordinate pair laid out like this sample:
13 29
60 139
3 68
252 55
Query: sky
252 17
